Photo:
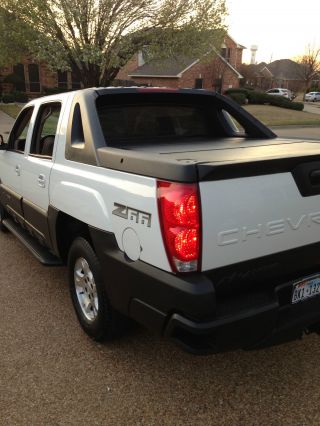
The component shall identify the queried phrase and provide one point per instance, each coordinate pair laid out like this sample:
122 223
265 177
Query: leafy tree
310 65
95 38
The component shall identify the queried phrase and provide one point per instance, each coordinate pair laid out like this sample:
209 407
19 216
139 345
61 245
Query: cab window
45 130
18 136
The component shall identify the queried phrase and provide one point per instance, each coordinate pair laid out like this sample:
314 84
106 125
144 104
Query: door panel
11 162
37 168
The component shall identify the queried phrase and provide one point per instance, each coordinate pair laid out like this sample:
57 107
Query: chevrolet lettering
275 227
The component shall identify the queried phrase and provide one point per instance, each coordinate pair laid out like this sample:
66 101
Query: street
298 132
52 374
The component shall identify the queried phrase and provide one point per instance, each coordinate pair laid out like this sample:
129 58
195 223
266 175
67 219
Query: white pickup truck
175 208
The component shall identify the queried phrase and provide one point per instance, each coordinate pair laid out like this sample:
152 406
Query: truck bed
194 160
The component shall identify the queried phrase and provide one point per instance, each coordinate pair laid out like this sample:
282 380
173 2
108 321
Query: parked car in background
312 97
278 91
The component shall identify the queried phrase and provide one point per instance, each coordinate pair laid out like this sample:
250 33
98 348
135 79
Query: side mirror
3 146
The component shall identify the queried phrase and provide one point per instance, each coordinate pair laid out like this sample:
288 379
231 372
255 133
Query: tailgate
252 209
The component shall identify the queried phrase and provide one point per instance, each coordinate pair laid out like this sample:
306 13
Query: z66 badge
130 213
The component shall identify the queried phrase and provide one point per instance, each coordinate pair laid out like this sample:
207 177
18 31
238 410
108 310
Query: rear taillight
179 210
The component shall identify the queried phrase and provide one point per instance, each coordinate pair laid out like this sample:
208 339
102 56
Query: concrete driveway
52 374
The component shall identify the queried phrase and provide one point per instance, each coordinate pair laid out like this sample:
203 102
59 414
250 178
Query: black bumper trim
188 310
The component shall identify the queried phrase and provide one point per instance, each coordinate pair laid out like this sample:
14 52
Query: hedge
260 98
54 90
240 98
281 102
12 97
8 98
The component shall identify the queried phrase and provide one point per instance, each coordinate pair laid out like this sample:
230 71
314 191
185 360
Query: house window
19 77
34 78
63 79
198 84
75 79
226 53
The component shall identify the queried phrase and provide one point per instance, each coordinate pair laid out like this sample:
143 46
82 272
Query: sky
280 28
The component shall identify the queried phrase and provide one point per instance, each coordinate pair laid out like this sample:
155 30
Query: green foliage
98 37
16 96
8 98
20 97
260 98
54 90
13 79
282 102
239 90
238 97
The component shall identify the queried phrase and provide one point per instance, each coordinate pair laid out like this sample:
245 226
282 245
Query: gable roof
172 68
285 68
175 67
166 68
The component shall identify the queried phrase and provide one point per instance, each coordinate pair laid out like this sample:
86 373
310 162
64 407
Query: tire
95 314
3 215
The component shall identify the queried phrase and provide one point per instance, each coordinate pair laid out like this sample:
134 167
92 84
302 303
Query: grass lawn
275 116
12 109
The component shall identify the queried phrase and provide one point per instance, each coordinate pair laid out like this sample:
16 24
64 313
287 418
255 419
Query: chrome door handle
42 181
18 170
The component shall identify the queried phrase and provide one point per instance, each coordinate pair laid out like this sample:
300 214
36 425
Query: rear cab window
135 119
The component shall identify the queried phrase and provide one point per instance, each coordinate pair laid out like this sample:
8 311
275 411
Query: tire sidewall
96 328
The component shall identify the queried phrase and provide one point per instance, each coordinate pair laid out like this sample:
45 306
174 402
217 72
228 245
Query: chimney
140 59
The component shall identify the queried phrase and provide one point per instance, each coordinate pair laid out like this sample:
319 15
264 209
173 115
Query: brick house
218 74
35 77
280 73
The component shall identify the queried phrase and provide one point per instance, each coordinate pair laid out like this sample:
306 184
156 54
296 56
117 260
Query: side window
235 126
45 130
19 132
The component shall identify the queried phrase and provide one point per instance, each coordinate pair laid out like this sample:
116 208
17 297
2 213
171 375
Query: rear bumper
254 328
190 309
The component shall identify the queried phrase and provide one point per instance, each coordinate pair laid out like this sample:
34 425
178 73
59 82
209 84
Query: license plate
306 288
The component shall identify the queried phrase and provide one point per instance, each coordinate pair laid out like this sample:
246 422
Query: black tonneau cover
220 159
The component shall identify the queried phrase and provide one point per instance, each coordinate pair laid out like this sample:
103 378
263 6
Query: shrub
54 90
8 98
236 91
282 102
258 98
20 97
240 98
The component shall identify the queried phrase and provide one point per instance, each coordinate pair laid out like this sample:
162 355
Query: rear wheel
95 314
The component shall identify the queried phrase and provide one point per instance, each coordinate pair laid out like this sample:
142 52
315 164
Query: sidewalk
6 123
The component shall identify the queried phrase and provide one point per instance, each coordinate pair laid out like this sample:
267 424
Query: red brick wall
208 72
47 77
128 68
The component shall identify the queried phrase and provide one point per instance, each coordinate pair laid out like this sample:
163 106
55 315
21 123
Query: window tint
77 134
45 130
19 132
153 121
